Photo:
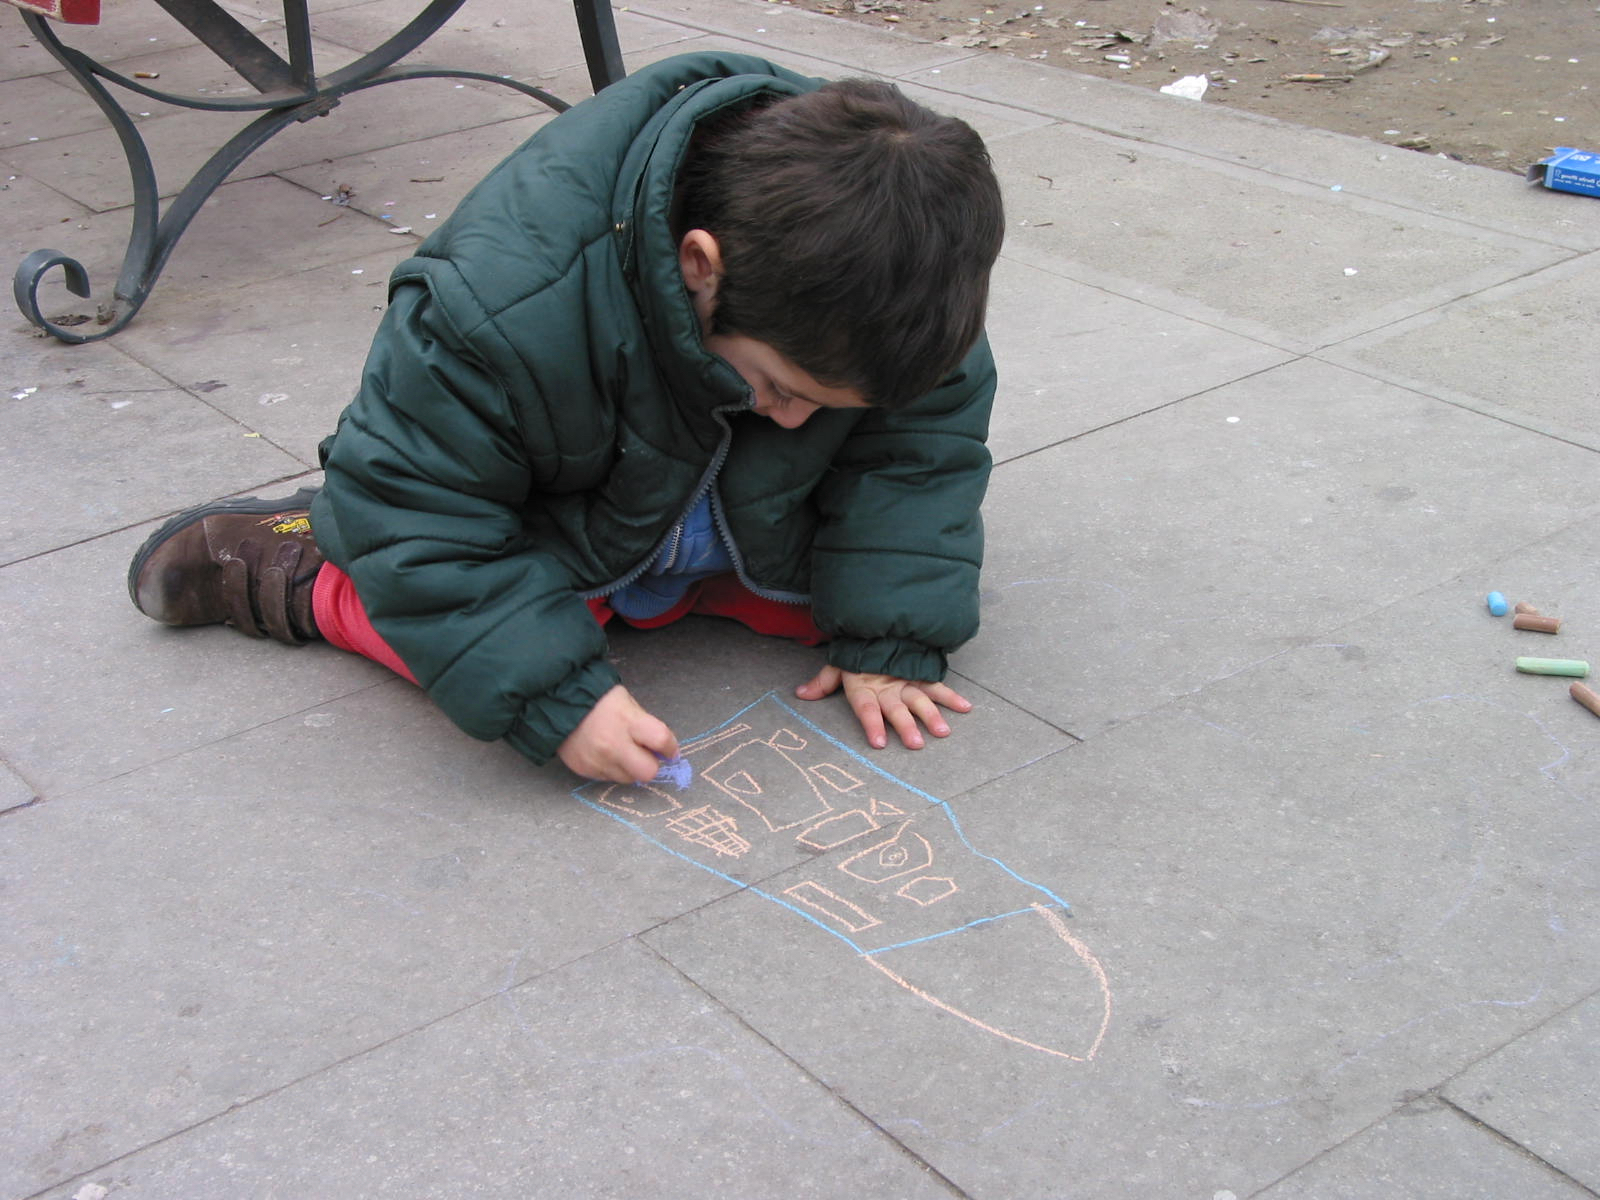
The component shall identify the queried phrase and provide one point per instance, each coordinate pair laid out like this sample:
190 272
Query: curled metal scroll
25 287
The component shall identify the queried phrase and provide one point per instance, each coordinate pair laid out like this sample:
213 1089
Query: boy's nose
792 416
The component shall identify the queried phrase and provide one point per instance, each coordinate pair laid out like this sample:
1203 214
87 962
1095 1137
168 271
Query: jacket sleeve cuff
888 656
546 722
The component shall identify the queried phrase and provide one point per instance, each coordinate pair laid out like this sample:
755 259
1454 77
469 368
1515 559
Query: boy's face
784 392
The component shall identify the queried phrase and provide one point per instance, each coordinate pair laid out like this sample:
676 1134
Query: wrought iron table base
290 92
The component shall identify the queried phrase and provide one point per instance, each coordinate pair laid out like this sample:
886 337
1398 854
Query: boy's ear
700 260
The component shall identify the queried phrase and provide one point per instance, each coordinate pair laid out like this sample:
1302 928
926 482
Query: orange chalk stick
1536 623
1523 606
1586 696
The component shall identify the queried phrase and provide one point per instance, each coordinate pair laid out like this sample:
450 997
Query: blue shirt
693 551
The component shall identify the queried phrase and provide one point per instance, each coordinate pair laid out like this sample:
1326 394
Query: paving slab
792 31
272 903
269 13
1254 846
771 803
1541 1091
23 56
989 120
695 673
528 41
45 219
611 1077
15 791
418 184
1315 890
126 27
1073 358
1209 240
183 67
1426 183
181 141
1464 353
283 372
224 247
93 689
35 107
78 425
90 167
1425 1151
1171 551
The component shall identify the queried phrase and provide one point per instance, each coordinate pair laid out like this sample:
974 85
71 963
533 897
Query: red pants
343 621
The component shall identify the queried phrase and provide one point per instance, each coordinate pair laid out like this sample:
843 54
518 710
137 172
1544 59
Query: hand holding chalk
618 740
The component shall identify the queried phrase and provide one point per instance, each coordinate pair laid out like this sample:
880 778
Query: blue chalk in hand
675 771
1497 604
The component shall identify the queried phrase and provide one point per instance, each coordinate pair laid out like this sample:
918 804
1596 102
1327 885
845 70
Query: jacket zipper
721 523
676 532
669 556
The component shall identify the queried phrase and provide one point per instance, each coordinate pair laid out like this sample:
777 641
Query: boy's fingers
618 741
651 742
910 732
901 719
870 714
629 761
927 712
882 704
600 765
614 765
639 765
824 683
949 697
653 735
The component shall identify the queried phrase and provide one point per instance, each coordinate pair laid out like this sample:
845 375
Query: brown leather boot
248 563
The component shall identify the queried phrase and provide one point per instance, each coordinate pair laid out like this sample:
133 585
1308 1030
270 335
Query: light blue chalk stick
1497 603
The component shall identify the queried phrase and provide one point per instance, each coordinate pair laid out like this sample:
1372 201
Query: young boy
709 342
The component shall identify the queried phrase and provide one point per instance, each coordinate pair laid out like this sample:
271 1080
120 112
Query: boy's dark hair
857 232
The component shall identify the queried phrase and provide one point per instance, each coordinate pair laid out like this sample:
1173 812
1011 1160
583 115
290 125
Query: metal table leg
290 92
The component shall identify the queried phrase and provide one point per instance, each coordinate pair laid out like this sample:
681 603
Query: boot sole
247 504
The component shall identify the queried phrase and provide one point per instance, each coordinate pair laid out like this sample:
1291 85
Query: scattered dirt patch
1494 82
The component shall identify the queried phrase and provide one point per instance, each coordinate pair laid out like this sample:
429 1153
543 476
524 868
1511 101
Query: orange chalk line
1078 948
711 739
1090 961
802 892
1057 925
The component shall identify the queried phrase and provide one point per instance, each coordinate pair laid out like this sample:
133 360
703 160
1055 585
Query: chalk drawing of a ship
780 808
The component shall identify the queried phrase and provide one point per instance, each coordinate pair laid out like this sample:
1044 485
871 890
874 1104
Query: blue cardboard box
1569 170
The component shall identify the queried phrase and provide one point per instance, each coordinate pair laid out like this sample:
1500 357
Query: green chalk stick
1553 666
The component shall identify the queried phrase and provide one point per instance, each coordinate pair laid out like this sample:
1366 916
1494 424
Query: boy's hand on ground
877 699
618 741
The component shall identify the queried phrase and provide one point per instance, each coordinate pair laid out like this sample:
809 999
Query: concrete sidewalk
1278 408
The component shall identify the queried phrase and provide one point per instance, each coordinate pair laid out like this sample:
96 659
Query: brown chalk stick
1536 624
1586 696
1524 607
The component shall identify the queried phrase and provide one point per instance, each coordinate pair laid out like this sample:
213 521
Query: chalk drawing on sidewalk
781 809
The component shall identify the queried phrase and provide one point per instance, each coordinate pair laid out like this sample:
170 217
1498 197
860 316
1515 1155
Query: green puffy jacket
537 411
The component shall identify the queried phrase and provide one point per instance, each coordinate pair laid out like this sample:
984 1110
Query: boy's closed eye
774 378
